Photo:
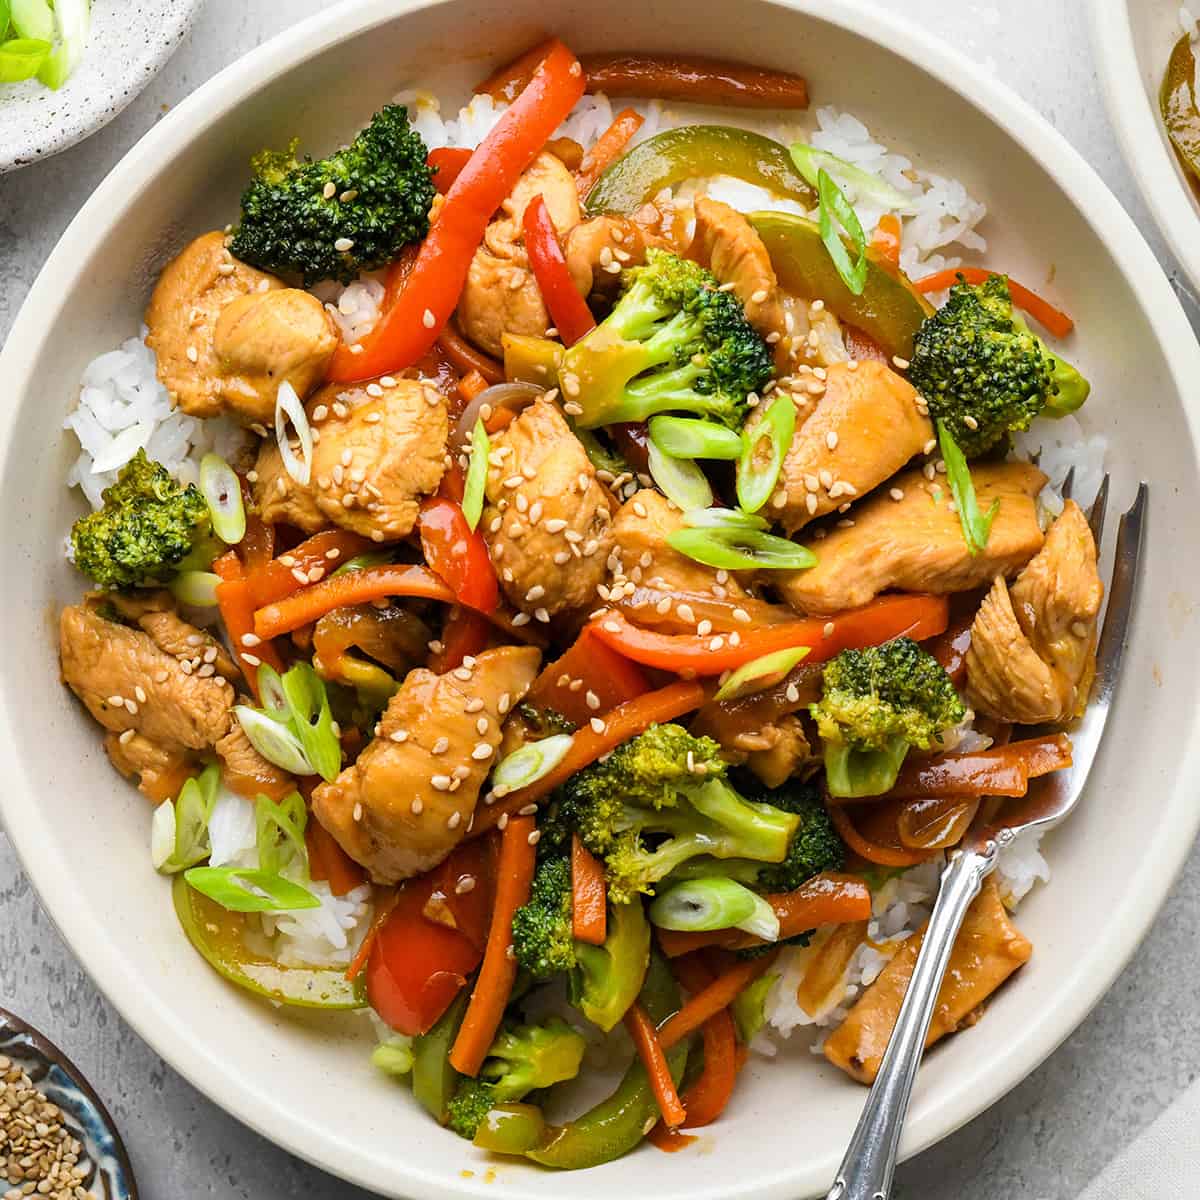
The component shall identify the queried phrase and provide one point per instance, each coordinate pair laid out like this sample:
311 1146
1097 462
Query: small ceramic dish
110 1176
128 45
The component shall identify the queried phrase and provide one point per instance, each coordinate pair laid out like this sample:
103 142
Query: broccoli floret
333 218
984 373
673 343
662 799
541 928
146 528
876 704
543 722
522 1059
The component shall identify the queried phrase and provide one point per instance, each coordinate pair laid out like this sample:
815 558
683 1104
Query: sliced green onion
530 763
763 450
681 481
975 526
73 20
195 588
312 721
222 491
273 740
373 558
741 550
187 823
835 207
288 408
5 18
723 518
701 905
279 830
270 691
760 674
395 1056
810 161
477 470
21 58
162 835
749 1008
230 888
33 19
686 437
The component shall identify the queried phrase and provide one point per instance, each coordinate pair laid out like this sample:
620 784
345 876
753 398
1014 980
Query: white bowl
1133 40
128 45
82 834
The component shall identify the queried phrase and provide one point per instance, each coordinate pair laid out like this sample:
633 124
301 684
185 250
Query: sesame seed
465 884
827 629
131 706
896 493
140 693
592 700
482 751
357 814
831 439
398 735
428 319
440 746
685 613
810 503
520 619
502 824
415 807
970 422
462 673
329 190
193 354
741 616
597 725
929 446
535 593
1079 629
792 693
759 297
901 364
342 244
716 644
454 820
441 782
481 726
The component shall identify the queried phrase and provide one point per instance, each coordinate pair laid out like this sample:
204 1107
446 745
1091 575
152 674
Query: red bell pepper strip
458 555
327 860
588 681
1054 319
464 634
568 309
464 357
448 162
888 617
410 327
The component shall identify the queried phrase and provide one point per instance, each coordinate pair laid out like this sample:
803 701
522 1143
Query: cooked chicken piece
154 613
598 249
274 334
777 751
870 416
246 772
915 544
725 243
409 798
160 772
279 498
501 295
380 451
546 518
1033 645
173 700
988 950
641 528
266 339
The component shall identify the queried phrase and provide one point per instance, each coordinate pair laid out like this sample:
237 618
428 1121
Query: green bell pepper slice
691 152
1177 102
217 934
609 977
889 310
434 1080
617 1125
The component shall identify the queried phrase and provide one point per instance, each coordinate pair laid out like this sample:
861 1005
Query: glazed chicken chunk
227 335
158 685
908 537
501 295
409 798
866 426
278 497
1033 644
546 518
598 250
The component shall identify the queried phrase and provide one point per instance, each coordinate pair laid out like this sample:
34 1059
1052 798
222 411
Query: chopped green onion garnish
21 58
834 207
195 588
975 526
289 409
72 19
477 469
810 161
763 450
179 832
372 558
311 719
723 518
760 674
230 888
741 550
701 905
274 741
530 763
270 691
395 1056
222 491
33 19
686 437
5 18
681 481
280 833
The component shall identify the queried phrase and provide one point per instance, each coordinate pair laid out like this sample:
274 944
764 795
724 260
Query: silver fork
870 1162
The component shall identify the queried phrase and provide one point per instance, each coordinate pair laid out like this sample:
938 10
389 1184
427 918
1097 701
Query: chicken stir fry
611 592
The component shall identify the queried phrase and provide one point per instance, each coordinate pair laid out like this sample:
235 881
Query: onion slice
289 409
500 395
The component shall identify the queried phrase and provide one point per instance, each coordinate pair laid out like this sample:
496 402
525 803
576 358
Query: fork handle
866 1171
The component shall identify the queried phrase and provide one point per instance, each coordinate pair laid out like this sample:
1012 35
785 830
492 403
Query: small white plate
1133 40
130 41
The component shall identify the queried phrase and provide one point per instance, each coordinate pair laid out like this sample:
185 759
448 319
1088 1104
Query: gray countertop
1136 1053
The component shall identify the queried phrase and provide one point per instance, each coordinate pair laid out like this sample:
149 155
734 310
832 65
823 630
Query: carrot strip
383 909
997 771
873 852
653 1055
706 1098
329 862
507 81
471 384
625 721
829 964
693 79
236 606
464 357
493 985
323 552
589 895
355 587
718 995
886 241
608 148
1054 319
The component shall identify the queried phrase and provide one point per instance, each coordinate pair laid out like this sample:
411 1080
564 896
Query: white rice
1057 445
